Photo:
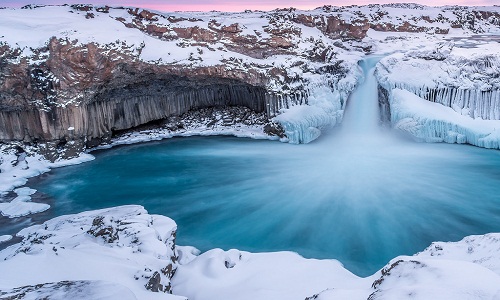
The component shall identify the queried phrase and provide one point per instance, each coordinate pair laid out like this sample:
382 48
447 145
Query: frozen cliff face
447 92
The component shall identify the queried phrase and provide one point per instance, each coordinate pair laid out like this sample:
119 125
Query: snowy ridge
125 252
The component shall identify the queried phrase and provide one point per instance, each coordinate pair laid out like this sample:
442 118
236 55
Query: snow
113 254
15 168
433 122
237 130
123 246
22 205
479 249
417 278
75 290
5 238
240 275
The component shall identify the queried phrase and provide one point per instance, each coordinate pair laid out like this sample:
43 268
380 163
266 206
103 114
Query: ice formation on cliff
433 122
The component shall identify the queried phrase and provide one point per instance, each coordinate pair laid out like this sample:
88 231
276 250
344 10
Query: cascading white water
362 113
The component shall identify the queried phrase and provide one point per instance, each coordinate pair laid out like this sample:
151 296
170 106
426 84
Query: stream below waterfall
357 194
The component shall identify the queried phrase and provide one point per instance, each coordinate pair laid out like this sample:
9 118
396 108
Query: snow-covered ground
123 246
125 253
15 169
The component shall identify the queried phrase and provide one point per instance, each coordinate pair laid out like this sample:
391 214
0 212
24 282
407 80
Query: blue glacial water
357 194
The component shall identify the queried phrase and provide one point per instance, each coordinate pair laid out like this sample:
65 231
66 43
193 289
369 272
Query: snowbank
123 245
125 253
5 238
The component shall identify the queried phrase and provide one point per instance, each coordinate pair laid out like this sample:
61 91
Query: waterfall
362 115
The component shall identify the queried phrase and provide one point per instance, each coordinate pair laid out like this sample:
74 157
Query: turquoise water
359 201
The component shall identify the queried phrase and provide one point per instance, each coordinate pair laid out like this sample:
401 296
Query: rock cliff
81 73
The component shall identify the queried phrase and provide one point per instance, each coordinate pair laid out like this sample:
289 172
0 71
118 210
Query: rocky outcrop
384 105
82 94
72 94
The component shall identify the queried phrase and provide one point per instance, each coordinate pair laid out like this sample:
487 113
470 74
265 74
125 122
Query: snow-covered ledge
125 253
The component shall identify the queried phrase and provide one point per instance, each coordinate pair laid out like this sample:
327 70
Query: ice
463 79
433 122
303 123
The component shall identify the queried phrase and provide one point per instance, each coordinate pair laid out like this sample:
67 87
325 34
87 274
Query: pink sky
228 5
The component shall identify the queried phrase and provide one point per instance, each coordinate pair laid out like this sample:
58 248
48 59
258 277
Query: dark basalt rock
154 284
101 228
274 129
384 106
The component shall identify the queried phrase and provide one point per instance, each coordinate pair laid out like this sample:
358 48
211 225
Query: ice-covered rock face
444 93
464 79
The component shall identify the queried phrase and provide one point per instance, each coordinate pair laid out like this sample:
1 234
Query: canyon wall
82 72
